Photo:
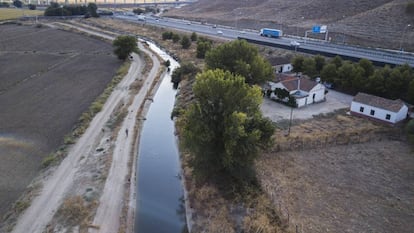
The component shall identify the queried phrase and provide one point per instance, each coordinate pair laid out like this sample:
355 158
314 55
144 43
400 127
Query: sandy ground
60 182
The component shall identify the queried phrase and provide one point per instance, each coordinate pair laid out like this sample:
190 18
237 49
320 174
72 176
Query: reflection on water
159 200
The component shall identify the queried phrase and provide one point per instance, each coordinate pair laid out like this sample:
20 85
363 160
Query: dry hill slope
376 23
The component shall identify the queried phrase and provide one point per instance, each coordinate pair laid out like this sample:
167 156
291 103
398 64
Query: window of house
372 112
388 116
361 109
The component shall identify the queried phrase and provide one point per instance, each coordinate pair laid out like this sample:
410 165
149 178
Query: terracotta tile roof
291 83
379 102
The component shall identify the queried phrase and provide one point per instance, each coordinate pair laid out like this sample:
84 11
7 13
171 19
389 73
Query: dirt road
59 183
109 210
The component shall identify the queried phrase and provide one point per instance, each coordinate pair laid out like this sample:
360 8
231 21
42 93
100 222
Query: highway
377 56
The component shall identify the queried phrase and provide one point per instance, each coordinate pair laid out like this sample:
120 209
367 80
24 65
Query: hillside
374 23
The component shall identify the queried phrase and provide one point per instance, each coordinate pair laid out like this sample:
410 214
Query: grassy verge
13 13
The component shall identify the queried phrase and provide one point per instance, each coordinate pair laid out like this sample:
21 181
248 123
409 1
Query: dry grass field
341 173
48 79
13 13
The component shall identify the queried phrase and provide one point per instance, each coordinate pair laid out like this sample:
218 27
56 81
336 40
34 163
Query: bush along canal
160 192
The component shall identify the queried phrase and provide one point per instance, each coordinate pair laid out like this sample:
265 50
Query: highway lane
378 56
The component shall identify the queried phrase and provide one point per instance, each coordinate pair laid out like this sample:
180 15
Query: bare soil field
340 173
378 23
48 79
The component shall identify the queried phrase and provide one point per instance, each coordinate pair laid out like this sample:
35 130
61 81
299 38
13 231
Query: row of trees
68 10
363 76
185 41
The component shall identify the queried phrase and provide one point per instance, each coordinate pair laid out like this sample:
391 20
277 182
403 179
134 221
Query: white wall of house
284 68
316 94
379 113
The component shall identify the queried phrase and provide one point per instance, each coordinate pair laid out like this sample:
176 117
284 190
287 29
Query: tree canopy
224 128
240 58
124 46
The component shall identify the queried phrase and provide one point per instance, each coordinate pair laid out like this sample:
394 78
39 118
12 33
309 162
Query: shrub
31 7
18 3
185 42
167 35
175 38
138 11
48 160
4 5
193 36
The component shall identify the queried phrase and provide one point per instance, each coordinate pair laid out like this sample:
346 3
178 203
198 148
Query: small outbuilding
281 64
378 108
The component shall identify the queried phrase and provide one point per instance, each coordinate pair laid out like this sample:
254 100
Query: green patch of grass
48 160
19 206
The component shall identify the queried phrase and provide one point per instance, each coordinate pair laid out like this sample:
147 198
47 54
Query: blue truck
268 32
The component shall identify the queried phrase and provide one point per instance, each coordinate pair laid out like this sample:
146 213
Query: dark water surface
159 205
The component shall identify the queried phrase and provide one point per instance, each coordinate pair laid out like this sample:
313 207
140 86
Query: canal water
160 192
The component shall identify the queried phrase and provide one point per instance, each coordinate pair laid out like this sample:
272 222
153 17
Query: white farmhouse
303 89
378 108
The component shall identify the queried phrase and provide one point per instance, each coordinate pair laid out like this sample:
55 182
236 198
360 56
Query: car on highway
294 43
219 32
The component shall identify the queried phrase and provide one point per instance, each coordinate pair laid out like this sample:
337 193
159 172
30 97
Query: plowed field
48 77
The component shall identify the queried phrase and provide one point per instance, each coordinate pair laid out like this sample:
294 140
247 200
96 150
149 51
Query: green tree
185 42
358 80
309 67
395 85
319 63
329 73
241 58
193 36
375 84
124 46
202 48
367 66
92 8
224 128
297 64
337 61
345 75
186 70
